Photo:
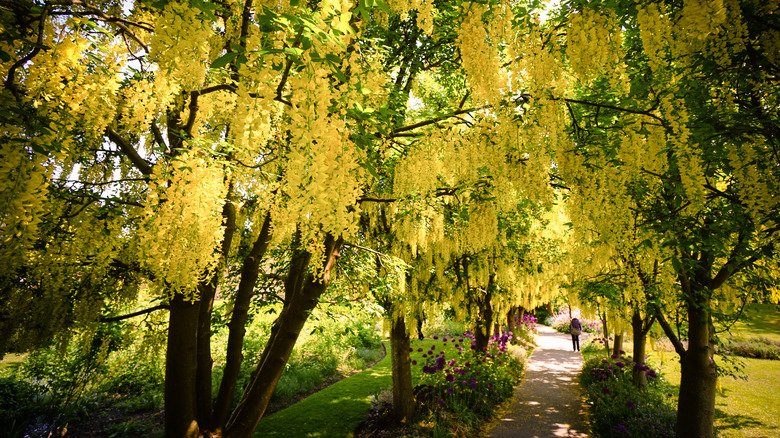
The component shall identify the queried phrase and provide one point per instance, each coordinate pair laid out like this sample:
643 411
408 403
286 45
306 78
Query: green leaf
224 60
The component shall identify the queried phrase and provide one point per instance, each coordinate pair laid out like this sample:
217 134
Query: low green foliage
73 383
619 409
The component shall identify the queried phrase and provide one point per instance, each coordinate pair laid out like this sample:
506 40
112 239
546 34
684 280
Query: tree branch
432 121
129 151
678 346
616 108
134 314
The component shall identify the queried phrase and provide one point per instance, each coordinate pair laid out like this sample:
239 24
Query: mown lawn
338 409
761 320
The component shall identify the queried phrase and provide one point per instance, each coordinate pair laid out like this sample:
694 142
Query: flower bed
621 410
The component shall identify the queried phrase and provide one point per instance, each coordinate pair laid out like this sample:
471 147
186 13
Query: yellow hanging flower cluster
182 224
480 55
23 201
184 60
594 44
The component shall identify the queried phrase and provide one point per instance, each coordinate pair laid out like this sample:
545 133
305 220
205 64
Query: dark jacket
575 327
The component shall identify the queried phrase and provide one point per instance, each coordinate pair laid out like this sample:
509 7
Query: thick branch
134 314
432 121
678 346
130 152
286 73
616 108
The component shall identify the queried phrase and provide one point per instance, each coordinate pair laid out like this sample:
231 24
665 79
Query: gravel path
547 402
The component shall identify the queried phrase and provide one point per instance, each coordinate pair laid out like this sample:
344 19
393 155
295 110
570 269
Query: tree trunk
482 328
605 330
181 369
207 293
696 402
403 395
204 359
640 350
237 325
617 346
302 292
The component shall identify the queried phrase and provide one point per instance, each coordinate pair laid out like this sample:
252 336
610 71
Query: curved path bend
548 401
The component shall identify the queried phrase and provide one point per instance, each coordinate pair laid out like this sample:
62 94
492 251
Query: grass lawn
338 409
760 320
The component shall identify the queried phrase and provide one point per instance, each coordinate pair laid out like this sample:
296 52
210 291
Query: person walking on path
547 403
575 328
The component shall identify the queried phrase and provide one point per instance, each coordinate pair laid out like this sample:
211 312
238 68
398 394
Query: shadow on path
547 403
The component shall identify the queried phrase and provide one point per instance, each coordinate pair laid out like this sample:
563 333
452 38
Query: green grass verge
338 409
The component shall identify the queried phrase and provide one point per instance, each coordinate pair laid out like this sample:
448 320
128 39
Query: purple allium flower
452 363
473 384
419 349
414 362
490 384
605 390
630 404
450 378
450 390
411 349
651 374
425 355
619 364
444 339
614 356
435 337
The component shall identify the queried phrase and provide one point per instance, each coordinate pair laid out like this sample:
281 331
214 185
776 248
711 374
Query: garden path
547 403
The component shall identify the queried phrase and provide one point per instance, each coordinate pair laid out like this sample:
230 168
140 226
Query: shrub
621 410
